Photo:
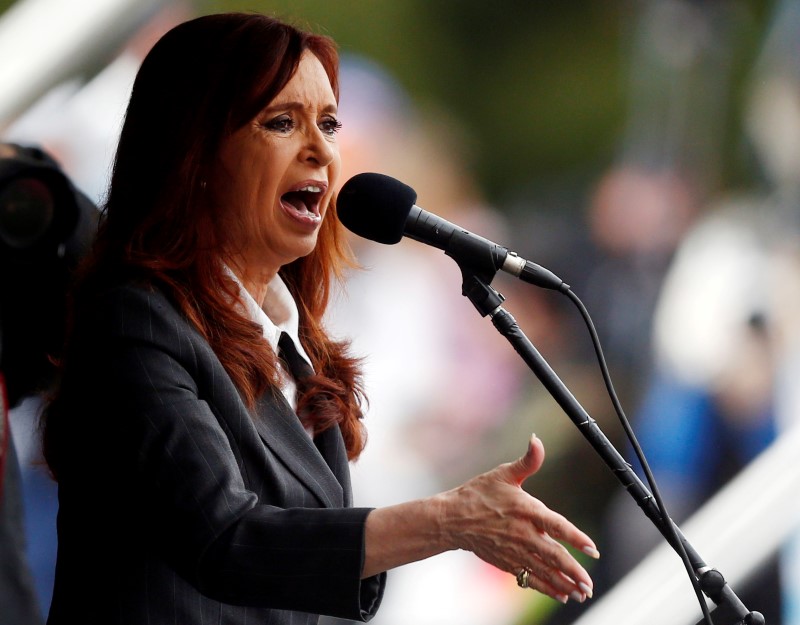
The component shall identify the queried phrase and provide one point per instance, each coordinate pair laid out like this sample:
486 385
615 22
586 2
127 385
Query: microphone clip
485 299
479 264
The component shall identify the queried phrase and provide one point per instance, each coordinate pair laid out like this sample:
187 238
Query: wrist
444 506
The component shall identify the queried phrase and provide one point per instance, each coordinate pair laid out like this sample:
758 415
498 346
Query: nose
318 148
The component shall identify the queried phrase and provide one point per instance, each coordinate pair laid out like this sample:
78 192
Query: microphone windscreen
375 206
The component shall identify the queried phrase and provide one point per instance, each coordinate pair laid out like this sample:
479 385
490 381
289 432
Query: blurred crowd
692 286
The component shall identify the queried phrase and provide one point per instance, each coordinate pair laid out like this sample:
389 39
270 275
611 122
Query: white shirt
279 314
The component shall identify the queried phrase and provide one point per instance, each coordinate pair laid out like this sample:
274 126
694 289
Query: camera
46 227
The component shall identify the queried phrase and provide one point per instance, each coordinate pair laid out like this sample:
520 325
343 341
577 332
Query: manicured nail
586 589
562 598
591 552
576 596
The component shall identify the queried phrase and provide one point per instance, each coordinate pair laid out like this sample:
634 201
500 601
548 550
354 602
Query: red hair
201 82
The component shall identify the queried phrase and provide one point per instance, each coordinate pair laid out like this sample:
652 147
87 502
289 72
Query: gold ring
523 577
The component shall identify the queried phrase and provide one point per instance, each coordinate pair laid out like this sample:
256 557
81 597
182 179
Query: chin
302 251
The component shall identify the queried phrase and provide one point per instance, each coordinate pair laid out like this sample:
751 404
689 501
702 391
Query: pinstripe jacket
177 505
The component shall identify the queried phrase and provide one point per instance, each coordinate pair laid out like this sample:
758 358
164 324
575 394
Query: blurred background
647 152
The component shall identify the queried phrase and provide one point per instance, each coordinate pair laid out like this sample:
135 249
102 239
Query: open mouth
304 202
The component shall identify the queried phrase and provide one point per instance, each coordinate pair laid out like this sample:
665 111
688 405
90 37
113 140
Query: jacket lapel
331 446
282 432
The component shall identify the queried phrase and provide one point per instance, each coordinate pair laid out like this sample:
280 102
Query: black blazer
179 506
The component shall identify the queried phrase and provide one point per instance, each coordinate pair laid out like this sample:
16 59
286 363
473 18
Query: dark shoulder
135 311
131 326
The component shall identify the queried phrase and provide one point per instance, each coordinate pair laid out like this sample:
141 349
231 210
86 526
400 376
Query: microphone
382 209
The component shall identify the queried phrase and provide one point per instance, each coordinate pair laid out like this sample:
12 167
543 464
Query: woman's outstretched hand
493 517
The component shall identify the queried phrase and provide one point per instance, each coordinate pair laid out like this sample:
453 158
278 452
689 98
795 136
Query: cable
667 521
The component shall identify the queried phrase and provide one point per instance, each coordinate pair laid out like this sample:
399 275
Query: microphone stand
477 273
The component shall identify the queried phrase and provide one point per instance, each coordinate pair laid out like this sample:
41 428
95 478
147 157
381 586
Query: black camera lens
27 209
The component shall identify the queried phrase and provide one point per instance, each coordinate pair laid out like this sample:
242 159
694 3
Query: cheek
250 208
334 175
259 215
336 166
254 188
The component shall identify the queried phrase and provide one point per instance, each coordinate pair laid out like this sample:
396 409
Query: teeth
311 189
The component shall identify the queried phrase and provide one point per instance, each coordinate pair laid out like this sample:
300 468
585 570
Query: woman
190 490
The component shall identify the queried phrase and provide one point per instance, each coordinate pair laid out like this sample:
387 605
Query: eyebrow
295 105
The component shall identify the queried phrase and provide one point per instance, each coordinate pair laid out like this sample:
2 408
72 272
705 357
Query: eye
283 124
330 126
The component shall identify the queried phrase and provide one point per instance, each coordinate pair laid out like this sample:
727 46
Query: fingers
562 571
552 583
558 527
519 470
520 539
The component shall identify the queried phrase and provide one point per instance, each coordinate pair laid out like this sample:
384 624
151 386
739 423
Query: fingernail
562 598
586 589
591 552
576 596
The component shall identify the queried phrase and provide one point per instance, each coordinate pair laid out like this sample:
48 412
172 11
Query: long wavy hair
202 81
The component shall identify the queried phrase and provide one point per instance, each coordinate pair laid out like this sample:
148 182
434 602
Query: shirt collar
279 313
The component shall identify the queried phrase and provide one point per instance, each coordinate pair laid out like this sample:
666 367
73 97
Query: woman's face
275 175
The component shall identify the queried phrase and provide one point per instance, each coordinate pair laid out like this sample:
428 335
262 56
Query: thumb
522 468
